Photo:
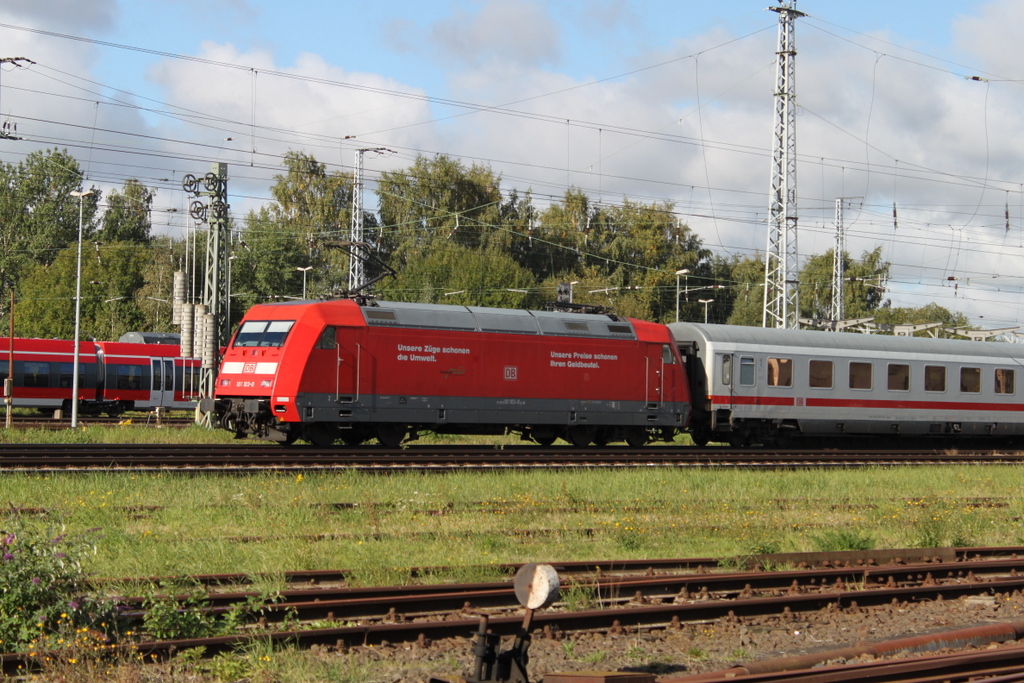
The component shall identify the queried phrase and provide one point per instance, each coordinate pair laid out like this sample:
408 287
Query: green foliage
38 214
111 276
170 617
838 540
41 584
863 289
127 218
578 597
930 313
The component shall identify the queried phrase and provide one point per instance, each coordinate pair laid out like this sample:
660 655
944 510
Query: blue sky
665 102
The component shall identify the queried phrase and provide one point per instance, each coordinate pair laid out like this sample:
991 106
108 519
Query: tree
112 276
748 276
863 286
310 215
436 199
127 218
38 215
929 313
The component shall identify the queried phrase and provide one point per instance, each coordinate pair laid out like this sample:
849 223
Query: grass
466 524
469 522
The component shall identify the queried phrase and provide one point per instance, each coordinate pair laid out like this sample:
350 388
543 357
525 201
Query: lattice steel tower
781 288
358 247
836 312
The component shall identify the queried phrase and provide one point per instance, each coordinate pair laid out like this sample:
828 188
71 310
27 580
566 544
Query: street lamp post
686 272
304 271
706 302
78 310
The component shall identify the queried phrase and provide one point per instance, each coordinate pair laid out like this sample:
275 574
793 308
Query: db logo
510 372
800 401
249 367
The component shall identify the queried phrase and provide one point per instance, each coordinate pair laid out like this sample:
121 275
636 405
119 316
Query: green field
378 525
464 525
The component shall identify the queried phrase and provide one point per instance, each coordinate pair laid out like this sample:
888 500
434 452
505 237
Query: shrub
41 587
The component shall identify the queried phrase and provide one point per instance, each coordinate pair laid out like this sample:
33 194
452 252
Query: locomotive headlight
265 383
224 383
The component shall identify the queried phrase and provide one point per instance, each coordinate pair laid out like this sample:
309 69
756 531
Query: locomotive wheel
354 436
636 437
603 438
580 436
545 437
701 436
320 434
740 439
390 435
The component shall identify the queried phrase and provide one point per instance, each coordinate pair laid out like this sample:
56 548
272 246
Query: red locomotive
112 376
324 371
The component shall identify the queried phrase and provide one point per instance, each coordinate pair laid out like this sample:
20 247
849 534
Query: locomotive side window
329 338
747 373
819 374
860 375
1004 381
970 380
666 355
934 378
263 332
726 370
780 372
899 377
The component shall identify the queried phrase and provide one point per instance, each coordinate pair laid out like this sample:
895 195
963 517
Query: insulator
178 297
187 329
209 342
199 339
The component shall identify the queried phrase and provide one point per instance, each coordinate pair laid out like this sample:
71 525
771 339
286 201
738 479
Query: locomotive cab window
819 374
747 373
860 375
899 377
263 333
1004 381
780 372
726 370
934 378
329 338
970 380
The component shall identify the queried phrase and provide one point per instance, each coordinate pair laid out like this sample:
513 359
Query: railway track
253 455
633 600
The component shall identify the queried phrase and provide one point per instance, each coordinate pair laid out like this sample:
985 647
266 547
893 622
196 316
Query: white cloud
510 32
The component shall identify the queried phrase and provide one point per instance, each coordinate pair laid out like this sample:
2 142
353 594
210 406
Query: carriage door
157 395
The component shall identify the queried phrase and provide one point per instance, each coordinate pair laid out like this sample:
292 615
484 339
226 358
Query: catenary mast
781 288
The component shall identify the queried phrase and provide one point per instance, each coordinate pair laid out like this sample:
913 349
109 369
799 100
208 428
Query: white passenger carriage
756 385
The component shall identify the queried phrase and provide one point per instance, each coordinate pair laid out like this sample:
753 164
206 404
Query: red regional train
338 370
112 376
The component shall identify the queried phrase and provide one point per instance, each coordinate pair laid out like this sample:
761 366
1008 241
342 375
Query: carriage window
934 378
1004 381
36 374
899 377
780 372
726 370
860 375
747 372
820 374
970 380
131 377
329 339
666 355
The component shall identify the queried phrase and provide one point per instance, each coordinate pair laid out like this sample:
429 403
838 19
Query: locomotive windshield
263 333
